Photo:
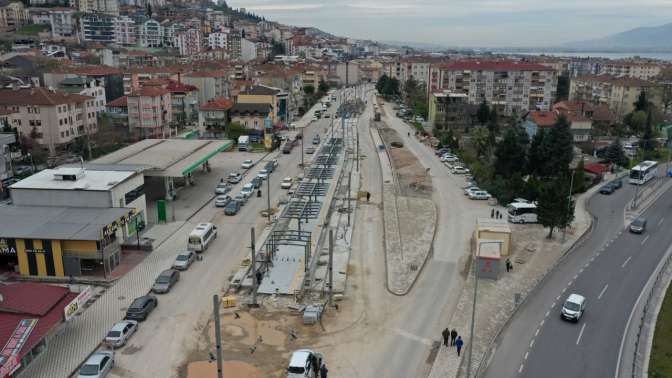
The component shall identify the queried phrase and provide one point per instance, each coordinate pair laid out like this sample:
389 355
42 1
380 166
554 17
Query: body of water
609 55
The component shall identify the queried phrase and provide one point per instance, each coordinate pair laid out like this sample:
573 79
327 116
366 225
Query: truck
244 143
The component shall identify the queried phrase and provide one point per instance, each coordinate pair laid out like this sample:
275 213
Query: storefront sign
78 303
9 366
7 247
36 250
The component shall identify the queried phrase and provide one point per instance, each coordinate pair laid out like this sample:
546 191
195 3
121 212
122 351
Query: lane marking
592 259
553 305
645 239
576 276
531 343
526 355
580 334
581 270
536 333
661 221
542 322
563 290
558 298
413 337
520 369
626 262
603 290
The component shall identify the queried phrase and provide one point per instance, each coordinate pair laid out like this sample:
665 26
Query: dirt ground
413 178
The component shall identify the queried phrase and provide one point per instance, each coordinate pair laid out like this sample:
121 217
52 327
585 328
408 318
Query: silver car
222 200
165 281
184 260
98 365
120 333
222 188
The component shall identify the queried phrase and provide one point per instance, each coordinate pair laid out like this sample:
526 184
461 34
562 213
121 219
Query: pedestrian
368 196
313 363
453 336
509 265
446 336
323 371
500 215
458 344
260 276
497 214
492 213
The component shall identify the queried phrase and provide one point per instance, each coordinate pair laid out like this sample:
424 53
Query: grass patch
661 353
33 29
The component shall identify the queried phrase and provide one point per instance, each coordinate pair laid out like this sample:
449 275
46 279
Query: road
610 269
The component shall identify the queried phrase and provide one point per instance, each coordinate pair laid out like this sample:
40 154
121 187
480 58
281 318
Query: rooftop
242 109
261 90
477 65
39 96
90 181
120 102
219 103
30 298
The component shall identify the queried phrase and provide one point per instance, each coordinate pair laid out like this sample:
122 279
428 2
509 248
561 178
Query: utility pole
331 268
357 154
268 195
218 335
302 166
569 202
349 195
254 269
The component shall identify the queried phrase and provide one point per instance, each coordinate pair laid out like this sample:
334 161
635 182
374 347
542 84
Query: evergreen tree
149 10
493 125
614 154
641 105
579 178
483 113
510 155
555 209
647 138
561 145
539 155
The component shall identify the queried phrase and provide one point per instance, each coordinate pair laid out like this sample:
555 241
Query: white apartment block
110 7
218 40
62 22
150 34
510 86
188 42
633 70
125 32
150 112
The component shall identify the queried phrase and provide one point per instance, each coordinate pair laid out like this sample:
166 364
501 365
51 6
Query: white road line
592 259
536 333
576 276
563 290
661 221
553 305
580 334
526 355
645 239
542 321
558 298
531 343
603 290
581 270
626 262
520 369
587 265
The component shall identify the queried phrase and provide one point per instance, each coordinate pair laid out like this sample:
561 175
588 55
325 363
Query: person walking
453 336
446 336
509 265
458 344
323 371
492 213
368 196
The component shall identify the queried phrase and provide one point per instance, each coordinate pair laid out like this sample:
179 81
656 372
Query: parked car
271 165
638 225
301 364
617 184
23 170
141 307
310 150
184 260
442 151
222 200
235 178
232 208
256 182
98 365
327 115
222 188
165 281
247 190
419 119
574 307
607 189
263 174
397 144
119 334
286 183
479 195
316 139
240 198
247 164
471 189
459 170
448 157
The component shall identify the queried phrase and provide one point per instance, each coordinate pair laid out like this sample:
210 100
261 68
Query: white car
247 164
184 260
286 183
240 198
448 158
222 188
479 195
300 364
222 200
263 174
234 178
459 170
98 365
247 190
121 332
471 189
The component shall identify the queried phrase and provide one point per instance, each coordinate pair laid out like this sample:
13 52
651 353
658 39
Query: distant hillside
645 38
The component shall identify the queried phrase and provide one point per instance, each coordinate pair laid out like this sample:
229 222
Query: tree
309 89
480 140
555 209
665 85
561 145
647 137
509 155
579 178
234 130
277 48
538 155
149 10
642 104
614 154
562 92
322 88
493 124
483 113
636 121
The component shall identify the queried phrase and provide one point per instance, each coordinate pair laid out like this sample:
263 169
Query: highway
610 269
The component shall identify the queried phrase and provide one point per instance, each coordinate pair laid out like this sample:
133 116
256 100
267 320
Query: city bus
522 212
643 172
201 237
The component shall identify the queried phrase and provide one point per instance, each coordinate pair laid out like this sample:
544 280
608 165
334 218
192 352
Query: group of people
495 214
320 367
453 338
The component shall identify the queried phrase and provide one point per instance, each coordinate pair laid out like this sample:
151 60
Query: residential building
213 116
188 42
580 126
449 110
39 16
150 112
117 110
234 45
509 86
108 7
98 27
125 32
86 87
109 78
634 70
619 93
6 140
218 40
13 15
184 98
276 98
150 34
62 22
210 84
248 50
50 117
252 116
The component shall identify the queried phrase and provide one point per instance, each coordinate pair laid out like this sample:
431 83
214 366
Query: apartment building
450 110
62 22
213 116
150 112
125 32
210 84
86 87
619 93
52 118
98 27
13 15
508 85
150 34
633 70
218 40
188 42
276 98
109 7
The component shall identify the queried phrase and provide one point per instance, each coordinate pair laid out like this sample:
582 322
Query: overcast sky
485 23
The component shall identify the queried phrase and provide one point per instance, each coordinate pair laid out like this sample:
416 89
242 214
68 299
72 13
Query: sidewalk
533 256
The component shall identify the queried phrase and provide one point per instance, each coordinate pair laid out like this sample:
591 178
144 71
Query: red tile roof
149 92
93 70
476 65
595 168
215 73
39 96
30 298
621 81
175 86
120 102
544 118
219 103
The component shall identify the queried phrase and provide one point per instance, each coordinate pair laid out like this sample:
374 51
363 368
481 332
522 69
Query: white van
573 307
304 363
201 236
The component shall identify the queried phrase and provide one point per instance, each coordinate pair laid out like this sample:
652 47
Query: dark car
256 182
165 281
617 184
638 225
607 189
141 307
232 208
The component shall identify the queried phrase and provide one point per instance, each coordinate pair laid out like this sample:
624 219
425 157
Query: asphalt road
609 269
163 340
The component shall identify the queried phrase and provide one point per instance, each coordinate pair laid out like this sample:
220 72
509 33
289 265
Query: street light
268 193
569 202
